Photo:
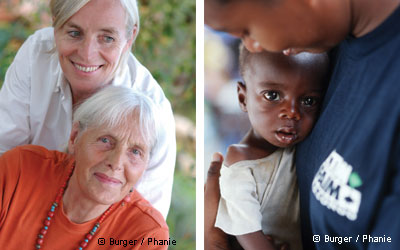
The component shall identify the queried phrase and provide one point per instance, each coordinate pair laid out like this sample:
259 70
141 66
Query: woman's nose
88 49
115 159
252 45
290 110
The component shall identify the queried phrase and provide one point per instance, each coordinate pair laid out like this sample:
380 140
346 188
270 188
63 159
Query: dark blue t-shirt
349 167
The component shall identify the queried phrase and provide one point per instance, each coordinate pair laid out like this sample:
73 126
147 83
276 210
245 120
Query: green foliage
166 45
181 217
12 36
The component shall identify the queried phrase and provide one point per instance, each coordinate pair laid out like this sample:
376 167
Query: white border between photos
199 125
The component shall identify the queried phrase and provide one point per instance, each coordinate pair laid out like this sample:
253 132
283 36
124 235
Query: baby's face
282 99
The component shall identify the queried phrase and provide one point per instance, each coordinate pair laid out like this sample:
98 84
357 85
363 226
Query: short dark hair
321 59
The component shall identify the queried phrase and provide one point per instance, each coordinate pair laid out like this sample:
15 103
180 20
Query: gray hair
62 10
114 106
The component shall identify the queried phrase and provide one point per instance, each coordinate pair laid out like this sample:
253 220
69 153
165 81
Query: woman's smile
86 69
103 178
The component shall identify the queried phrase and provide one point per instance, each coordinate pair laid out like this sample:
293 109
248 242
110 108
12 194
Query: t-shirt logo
334 186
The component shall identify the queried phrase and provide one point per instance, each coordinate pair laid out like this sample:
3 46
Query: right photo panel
301 124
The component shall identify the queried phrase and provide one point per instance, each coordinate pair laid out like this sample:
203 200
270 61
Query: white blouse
36 108
262 195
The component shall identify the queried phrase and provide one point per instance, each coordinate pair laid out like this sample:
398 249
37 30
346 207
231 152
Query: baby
259 194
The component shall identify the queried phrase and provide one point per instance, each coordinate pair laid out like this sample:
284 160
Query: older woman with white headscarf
58 68
86 198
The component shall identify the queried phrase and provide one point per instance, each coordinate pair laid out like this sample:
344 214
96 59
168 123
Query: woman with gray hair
57 68
55 200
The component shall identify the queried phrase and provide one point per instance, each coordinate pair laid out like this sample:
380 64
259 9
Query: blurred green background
166 46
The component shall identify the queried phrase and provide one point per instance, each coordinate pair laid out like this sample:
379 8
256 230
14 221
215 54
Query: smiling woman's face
90 45
109 161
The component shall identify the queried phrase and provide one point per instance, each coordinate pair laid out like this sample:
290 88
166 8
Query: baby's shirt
262 195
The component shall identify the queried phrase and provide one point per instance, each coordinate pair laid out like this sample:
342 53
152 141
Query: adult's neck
79 208
369 14
78 98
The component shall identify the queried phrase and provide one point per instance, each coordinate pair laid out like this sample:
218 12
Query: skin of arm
214 238
256 240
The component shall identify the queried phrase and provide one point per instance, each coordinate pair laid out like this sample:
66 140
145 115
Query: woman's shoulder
37 48
29 152
42 38
34 160
44 34
139 210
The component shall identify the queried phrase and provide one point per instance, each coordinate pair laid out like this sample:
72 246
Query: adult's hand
214 238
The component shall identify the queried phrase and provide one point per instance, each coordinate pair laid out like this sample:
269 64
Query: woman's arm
14 102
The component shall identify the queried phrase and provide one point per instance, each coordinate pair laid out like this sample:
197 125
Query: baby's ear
241 90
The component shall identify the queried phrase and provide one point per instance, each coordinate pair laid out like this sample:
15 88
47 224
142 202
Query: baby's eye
309 101
272 96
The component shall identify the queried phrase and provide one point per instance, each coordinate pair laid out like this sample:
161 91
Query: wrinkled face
282 100
109 161
90 45
275 27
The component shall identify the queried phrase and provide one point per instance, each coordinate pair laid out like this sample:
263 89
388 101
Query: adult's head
93 39
295 25
282 94
113 134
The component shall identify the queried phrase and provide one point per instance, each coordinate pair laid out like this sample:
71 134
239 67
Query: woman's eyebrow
73 25
110 30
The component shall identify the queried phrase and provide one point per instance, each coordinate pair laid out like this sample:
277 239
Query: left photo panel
97 131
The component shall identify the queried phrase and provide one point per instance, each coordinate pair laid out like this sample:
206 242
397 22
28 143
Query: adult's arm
14 102
214 238
386 223
255 241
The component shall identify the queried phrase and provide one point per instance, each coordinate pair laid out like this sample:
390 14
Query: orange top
30 178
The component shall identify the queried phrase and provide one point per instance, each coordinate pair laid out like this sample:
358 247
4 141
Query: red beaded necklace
50 214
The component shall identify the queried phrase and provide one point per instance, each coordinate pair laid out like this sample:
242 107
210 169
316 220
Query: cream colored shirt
36 108
262 195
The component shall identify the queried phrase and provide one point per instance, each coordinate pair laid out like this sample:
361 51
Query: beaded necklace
50 214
